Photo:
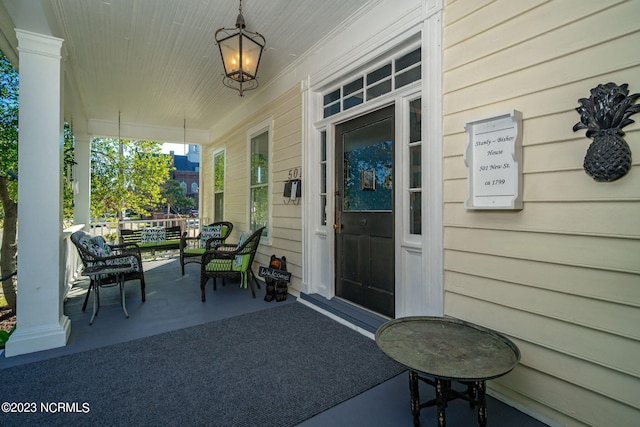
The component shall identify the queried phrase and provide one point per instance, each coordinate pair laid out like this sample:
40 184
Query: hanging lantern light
241 51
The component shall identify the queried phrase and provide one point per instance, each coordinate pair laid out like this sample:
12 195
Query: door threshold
354 314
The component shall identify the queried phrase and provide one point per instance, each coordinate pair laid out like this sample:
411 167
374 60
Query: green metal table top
447 348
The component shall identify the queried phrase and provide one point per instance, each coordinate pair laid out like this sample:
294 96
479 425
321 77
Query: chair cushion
159 245
194 251
240 258
85 241
241 262
153 234
208 232
100 247
128 260
219 265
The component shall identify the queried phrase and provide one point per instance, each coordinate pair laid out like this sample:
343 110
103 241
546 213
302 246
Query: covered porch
151 70
173 303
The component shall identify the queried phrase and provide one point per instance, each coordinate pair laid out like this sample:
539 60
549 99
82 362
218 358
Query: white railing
73 263
110 229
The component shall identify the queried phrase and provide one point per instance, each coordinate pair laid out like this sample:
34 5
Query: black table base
442 350
475 394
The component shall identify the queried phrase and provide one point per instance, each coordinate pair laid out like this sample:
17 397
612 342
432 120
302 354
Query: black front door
364 255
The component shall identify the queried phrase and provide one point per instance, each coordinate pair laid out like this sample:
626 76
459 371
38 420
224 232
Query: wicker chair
192 248
231 261
95 251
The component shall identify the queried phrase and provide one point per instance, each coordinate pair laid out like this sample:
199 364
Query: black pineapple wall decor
604 114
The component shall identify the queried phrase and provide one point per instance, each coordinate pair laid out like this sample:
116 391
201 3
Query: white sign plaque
494 162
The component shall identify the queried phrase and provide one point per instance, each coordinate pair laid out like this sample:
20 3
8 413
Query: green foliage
174 194
219 171
8 170
68 162
9 124
126 174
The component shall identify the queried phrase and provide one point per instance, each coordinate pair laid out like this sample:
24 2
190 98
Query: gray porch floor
173 302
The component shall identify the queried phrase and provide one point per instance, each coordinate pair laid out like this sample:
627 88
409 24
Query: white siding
562 276
286 222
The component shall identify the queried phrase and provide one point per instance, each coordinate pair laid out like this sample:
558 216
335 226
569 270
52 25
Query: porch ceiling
156 61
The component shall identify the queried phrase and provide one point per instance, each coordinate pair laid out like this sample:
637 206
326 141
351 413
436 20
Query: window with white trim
415 166
323 177
259 181
218 186
391 75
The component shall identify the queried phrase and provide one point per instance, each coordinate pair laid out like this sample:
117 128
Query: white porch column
82 196
41 323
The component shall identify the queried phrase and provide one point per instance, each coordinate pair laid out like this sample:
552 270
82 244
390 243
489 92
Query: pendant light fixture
241 51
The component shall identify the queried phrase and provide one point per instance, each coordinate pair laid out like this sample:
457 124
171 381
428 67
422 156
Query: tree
68 162
174 195
126 174
9 81
8 172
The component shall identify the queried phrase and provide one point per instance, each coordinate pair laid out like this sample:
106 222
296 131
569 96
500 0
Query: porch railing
108 229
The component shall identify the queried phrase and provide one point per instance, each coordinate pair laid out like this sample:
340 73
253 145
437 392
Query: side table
95 273
447 349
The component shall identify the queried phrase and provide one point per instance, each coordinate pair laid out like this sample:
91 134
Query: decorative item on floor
241 51
276 277
604 114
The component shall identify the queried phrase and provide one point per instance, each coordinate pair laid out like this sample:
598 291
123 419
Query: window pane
379 89
259 207
218 206
332 109
413 75
353 101
408 60
415 213
260 159
415 120
415 178
323 178
323 145
352 87
218 167
331 97
368 157
379 74
323 206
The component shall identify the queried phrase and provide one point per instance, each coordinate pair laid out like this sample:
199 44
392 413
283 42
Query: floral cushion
97 247
125 260
153 235
84 240
100 247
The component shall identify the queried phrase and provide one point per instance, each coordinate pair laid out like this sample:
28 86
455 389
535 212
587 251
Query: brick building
187 172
